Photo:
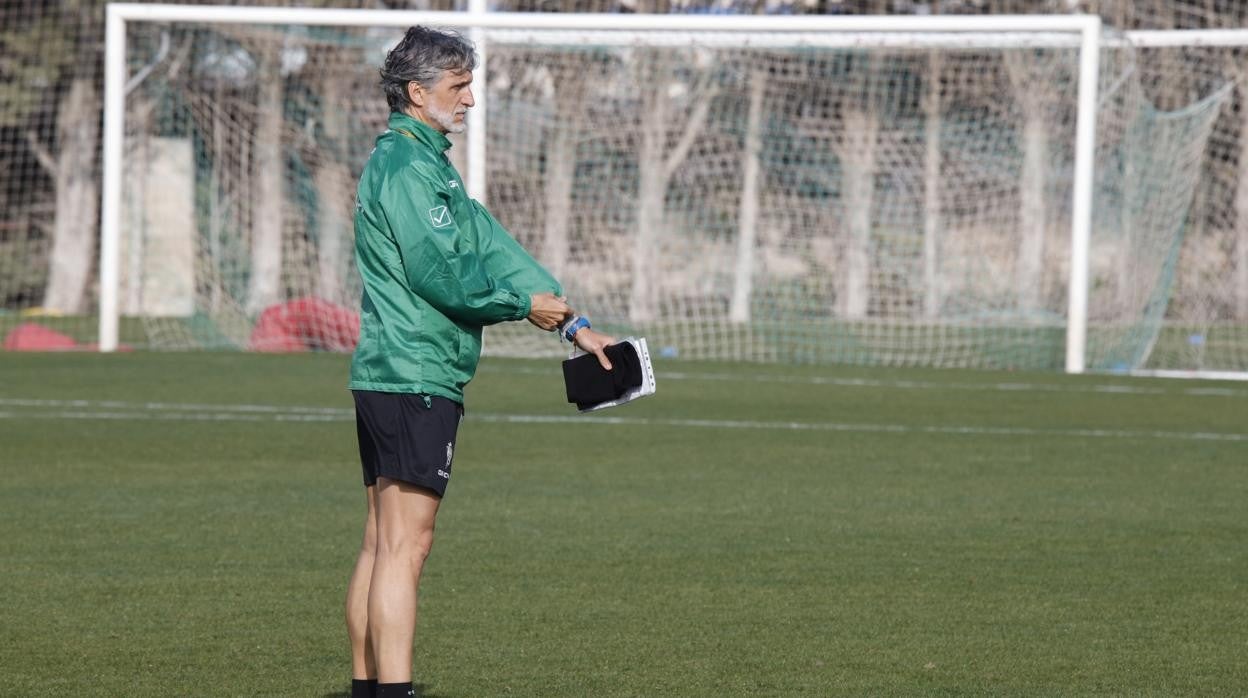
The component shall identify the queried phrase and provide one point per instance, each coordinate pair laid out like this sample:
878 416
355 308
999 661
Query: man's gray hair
422 56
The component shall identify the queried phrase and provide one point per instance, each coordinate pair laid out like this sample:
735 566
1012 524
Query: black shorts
407 437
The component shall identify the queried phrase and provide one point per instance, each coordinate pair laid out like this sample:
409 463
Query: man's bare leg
405 515
363 662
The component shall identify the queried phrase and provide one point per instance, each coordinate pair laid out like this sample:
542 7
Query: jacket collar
414 128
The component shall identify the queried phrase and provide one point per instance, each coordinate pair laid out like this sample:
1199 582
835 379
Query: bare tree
565 79
56 54
1031 74
332 177
931 185
856 148
666 140
334 77
77 196
268 190
751 185
570 82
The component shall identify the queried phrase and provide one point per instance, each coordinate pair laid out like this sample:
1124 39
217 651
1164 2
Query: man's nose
468 99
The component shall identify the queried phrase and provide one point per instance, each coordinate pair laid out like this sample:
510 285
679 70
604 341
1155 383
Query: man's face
444 105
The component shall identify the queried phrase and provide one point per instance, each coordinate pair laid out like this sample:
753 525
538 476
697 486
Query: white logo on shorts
450 451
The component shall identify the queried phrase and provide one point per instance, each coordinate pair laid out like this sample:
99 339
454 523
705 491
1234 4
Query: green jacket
436 268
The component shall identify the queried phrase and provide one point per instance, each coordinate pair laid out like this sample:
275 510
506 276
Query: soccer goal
992 192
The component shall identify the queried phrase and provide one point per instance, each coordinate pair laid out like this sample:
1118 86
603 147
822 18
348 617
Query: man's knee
405 520
413 546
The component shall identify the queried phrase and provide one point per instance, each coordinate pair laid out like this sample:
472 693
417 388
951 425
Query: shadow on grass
421 692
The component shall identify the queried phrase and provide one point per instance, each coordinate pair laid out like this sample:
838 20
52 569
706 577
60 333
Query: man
437 268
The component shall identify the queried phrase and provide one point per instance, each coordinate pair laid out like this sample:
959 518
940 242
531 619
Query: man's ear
415 95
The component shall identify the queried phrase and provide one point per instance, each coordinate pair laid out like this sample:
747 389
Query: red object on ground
303 324
29 336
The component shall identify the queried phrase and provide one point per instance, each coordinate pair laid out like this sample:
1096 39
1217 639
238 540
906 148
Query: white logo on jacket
440 216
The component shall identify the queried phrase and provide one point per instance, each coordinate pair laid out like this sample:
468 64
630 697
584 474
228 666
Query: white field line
180 407
871 428
115 410
1105 388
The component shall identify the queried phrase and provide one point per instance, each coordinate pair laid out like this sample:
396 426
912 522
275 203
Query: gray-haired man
437 268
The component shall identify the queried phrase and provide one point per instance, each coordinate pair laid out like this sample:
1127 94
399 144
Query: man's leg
405 515
363 663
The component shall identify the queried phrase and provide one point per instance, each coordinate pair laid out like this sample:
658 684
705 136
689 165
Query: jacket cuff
526 306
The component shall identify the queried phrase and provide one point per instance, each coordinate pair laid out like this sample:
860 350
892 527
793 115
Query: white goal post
858 31
1083 31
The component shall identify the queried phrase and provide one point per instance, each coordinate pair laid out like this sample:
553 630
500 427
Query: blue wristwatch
571 327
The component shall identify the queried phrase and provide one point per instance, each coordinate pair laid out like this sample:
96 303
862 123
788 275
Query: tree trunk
333 186
570 83
1030 75
560 167
334 196
1031 211
77 200
268 172
747 212
651 197
657 165
215 199
857 153
1124 257
931 189
1241 210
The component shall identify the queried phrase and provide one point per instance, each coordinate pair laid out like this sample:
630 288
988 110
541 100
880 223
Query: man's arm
439 267
507 260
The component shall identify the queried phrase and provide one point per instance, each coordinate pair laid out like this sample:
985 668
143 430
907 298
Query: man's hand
594 343
548 311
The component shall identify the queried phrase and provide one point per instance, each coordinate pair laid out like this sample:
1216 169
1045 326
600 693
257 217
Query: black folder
589 384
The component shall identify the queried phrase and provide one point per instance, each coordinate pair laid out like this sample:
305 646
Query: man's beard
446 119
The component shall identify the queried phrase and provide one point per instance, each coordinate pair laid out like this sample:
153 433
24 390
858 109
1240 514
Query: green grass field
184 524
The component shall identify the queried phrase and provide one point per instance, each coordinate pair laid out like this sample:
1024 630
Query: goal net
886 198
1205 325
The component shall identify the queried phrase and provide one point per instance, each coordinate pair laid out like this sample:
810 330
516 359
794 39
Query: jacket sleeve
507 260
439 264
